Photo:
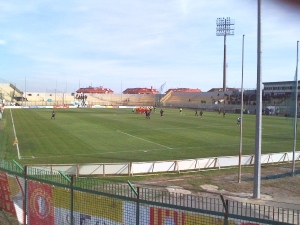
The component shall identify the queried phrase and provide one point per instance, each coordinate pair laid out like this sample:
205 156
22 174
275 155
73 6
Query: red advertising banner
40 209
6 202
160 216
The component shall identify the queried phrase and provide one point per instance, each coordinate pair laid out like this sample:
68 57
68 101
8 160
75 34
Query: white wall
134 168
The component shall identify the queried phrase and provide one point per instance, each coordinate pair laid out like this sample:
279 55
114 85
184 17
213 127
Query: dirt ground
278 187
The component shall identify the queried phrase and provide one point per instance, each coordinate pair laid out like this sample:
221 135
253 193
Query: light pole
241 123
258 123
296 112
224 27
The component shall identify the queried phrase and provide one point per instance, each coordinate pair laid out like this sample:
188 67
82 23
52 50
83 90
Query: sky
63 45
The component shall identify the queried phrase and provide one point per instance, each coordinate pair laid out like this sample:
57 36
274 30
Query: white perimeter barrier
134 168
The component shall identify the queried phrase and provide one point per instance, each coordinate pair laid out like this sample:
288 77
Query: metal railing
37 197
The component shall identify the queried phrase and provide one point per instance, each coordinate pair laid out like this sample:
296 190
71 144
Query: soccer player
53 115
147 112
224 113
239 121
180 110
161 112
201 113
196 112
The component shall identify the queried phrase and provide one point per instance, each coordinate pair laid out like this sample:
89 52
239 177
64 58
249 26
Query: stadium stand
276 94
51 99
9 92
191 98
140 99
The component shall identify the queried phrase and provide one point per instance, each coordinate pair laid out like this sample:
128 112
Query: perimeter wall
136 168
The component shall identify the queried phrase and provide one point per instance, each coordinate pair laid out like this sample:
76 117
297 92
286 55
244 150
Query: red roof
95 90
140 91
184 90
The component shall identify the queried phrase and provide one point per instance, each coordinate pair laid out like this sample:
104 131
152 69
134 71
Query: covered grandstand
9 94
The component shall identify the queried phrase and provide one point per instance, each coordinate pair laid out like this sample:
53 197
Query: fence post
71 181
25 196
24 170
225 205
138 206
137 193
72 200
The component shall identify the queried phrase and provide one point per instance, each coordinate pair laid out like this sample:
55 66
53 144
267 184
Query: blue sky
136 43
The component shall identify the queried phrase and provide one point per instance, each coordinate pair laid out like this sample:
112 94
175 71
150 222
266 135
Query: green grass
117 135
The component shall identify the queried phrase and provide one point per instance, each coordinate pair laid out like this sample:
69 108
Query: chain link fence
37 197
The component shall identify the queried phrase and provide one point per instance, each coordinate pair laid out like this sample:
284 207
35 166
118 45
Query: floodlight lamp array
225 26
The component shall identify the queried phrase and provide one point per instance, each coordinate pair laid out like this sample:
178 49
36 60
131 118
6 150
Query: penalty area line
27 157
143 139
100 153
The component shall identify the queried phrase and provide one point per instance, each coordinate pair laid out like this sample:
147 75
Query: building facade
280 87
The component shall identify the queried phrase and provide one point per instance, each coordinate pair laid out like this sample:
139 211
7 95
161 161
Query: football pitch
87 135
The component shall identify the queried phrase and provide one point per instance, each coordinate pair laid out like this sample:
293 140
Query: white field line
143 150
16 143
185 128
16 139
100 153
27 157
143 139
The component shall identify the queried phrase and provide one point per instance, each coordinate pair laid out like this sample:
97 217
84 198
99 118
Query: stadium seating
48 99
8 92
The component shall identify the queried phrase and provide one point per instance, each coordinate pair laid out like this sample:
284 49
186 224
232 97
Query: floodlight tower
225 26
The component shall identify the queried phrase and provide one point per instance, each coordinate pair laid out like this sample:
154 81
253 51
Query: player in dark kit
53 115
161 112
201 113
147 112
196 112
